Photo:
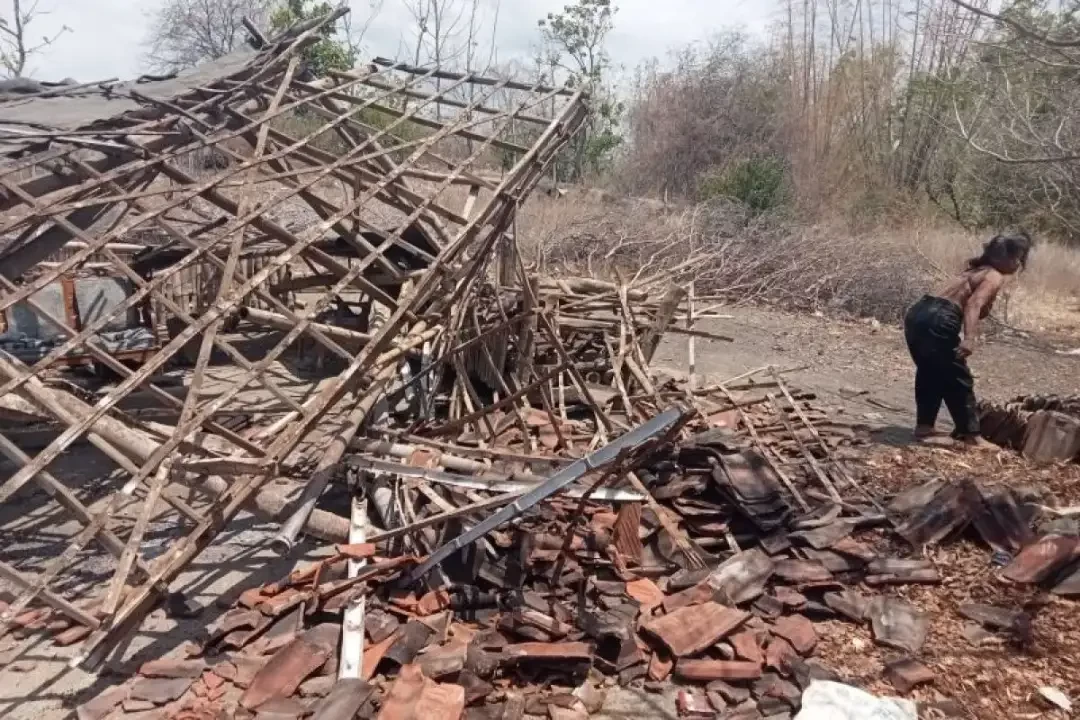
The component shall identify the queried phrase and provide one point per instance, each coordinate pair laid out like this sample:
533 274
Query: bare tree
352 33
448 33
16 48
1020 115
184 33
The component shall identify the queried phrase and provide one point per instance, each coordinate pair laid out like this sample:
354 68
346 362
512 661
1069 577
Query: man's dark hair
999 247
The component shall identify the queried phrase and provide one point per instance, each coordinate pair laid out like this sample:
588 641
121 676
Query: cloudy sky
107 36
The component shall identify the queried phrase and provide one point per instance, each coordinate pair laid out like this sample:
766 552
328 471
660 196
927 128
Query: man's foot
976 442
922 432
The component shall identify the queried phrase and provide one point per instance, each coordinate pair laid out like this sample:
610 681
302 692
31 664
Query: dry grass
873 272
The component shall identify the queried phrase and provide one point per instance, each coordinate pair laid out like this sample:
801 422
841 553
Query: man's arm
983 297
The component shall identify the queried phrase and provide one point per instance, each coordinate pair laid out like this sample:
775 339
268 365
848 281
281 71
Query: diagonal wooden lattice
246 192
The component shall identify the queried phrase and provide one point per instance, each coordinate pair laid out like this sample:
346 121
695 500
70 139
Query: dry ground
860 367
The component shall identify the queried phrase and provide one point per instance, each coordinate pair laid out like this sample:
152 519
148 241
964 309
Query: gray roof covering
89 105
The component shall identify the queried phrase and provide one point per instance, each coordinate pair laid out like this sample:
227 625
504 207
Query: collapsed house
163 224
242 286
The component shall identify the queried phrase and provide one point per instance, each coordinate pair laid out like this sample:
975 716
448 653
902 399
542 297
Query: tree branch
1019 27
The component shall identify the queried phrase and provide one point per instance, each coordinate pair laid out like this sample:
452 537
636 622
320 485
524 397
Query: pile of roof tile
712 591
1045 428
708 570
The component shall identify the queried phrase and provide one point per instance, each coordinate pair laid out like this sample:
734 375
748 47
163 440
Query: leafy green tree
574 41
329 53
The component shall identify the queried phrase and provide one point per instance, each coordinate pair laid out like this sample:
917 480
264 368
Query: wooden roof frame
93 185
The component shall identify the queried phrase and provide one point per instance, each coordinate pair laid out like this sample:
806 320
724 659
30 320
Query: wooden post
668 307
691 341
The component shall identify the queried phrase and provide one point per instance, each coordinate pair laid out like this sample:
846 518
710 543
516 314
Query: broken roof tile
660 666
172 668
996 618
789 597
695 595
709 670
894 571
906 674
849 603
374 653
415 697
344 700
802 571
379 624
282 675
1069 584
898 624
646 592
625 534
691 704
159 690
103 704
779 654
999 522
947 512
798 631
741 578
690 630
825 537
411 639
440 662
548 652
1039 560
747 646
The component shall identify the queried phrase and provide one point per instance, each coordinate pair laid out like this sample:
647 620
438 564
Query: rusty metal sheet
690 630
282 675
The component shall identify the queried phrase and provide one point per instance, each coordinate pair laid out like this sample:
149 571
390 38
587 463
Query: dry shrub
740 258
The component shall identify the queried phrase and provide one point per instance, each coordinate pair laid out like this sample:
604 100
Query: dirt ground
863 367
858 368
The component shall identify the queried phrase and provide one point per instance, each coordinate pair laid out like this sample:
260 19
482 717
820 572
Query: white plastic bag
835 701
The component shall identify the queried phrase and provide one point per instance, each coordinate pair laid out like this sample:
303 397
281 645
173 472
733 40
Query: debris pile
699 550
535 515
701 564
